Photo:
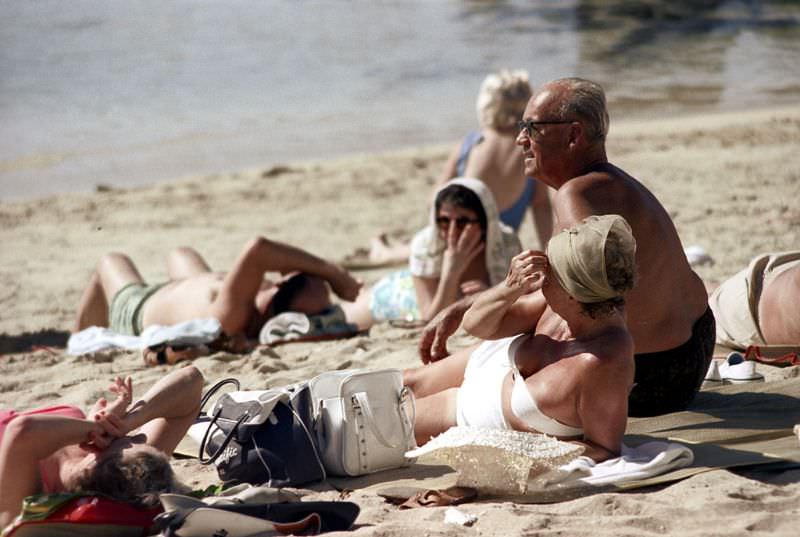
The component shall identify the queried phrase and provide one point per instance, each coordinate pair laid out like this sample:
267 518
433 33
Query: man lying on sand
563 139
760 305
242 300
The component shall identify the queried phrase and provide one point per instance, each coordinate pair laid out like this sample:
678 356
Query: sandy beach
731 182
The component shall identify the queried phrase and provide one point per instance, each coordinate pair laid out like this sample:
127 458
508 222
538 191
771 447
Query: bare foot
380 251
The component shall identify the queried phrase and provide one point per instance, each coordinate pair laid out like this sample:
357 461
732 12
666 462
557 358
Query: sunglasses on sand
529 125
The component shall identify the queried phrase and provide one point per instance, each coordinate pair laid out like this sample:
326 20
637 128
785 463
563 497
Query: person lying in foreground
242 300
121 448
569 377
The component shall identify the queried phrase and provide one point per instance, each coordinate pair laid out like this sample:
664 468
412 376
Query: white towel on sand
648 460
97 338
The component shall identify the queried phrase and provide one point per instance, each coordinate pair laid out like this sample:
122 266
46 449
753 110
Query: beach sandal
413 497
164 354
753 352
236 344
292 326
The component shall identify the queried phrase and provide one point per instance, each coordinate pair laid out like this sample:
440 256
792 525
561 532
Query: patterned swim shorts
395 298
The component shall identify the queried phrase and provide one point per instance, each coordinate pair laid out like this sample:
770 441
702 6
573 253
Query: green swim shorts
127 307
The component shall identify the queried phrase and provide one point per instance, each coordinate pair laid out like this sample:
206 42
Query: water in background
127 93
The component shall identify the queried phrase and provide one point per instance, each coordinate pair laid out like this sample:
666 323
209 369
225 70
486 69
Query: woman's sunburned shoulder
607 363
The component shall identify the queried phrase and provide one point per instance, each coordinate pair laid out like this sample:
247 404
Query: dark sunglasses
529 125
461 222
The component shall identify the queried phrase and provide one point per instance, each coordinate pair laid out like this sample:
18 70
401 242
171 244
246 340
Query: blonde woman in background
491 155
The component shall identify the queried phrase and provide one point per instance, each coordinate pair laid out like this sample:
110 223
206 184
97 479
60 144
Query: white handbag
361 420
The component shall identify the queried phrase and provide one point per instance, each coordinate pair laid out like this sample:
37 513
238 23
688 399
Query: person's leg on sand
114 271
185 262
438 376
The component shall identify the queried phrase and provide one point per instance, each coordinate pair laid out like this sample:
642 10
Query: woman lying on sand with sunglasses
121 448
570 375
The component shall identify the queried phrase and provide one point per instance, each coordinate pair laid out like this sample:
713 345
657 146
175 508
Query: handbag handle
228 437
406 393
211 391
362 401
215 388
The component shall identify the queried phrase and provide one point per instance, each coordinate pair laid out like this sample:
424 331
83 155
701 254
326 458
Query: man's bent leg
667 381
93 307
185 262
113 272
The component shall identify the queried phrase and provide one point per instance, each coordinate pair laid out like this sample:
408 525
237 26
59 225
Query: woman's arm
603 404
514 305
167 410
433 295
26 441
449 171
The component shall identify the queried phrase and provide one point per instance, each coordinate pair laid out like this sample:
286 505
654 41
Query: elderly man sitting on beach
242 300
563 136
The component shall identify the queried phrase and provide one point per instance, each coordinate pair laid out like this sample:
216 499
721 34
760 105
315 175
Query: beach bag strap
228 437
215 388
211 391
361 400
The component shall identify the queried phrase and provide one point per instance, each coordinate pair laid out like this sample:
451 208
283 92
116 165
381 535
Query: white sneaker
713 378
735 370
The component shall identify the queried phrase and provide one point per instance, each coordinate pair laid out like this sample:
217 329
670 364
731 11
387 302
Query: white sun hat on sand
497 461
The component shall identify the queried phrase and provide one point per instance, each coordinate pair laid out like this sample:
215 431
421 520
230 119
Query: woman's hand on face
119 407
124 390
106 428
461 247
526 271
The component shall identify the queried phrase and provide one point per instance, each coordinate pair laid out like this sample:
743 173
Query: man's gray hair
585 100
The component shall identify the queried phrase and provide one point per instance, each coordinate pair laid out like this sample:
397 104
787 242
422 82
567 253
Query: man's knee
183 251
112 260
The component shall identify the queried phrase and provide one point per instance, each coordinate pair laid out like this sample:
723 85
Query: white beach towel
648 460
97 338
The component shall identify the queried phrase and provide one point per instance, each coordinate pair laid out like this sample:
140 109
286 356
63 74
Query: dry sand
730 181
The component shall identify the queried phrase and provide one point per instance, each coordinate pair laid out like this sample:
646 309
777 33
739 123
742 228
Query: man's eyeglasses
443 222
529 125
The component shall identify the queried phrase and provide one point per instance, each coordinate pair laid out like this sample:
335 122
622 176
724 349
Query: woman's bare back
497 161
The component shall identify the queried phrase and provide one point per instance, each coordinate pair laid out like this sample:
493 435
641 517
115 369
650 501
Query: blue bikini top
514 215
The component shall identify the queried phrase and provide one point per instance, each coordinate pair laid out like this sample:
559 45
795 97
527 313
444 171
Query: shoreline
633 120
